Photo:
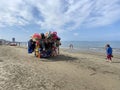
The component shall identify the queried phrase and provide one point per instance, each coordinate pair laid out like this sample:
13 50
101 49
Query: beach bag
30 46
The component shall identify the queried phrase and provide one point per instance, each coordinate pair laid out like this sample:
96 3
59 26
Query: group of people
44 45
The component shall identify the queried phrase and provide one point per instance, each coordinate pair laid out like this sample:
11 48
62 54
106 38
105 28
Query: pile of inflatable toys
44 45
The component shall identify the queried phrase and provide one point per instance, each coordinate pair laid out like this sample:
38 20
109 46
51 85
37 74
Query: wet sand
68 71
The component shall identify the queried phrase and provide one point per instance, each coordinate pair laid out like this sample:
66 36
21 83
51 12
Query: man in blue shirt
109 52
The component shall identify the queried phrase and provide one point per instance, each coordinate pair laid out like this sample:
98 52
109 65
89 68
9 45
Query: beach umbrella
36 36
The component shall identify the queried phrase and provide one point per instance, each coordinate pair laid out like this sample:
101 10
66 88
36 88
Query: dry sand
68 71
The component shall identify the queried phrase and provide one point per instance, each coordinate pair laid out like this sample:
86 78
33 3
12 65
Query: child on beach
109 52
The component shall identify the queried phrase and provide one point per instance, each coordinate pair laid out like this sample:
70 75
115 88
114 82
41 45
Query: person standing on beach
71 46
109 52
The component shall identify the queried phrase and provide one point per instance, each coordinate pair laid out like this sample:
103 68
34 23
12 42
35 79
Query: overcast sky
79 20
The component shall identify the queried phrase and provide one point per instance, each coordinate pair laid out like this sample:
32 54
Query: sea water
95 46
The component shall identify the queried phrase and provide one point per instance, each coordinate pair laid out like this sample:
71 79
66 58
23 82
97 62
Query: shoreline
93 49
89 52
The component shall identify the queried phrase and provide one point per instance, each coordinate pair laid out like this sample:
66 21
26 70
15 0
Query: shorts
109 56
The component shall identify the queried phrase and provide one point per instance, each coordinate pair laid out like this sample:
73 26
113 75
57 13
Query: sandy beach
68 71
